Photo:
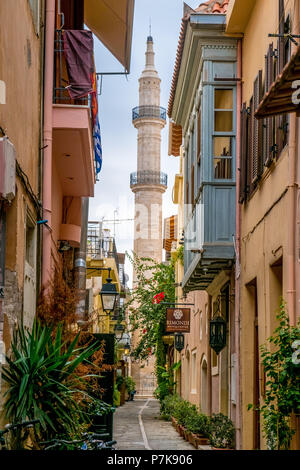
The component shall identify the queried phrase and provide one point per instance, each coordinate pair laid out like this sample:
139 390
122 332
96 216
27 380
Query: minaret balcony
148 177
152 112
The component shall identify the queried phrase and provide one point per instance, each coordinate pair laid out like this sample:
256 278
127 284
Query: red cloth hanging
78 51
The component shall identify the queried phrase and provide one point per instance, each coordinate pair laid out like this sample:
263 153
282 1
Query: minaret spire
148 184
150 55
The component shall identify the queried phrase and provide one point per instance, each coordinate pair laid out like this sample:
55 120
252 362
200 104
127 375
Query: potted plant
222 432
130 387
199 427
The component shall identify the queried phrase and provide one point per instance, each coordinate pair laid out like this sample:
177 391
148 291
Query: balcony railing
148 177
100 246
60 93
155 112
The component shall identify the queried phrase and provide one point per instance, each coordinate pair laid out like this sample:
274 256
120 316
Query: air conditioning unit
7 169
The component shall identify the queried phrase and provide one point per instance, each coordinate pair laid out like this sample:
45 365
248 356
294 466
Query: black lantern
217 334
119 330
179 341
109 295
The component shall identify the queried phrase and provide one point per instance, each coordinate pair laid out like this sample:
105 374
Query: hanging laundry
78 51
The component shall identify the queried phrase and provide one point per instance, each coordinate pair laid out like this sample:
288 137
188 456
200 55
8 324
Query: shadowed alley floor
137 427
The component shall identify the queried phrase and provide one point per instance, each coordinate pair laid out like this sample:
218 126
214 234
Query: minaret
148 185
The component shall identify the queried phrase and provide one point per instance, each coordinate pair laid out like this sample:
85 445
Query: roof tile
209 7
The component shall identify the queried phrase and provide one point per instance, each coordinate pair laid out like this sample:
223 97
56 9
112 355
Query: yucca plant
41 379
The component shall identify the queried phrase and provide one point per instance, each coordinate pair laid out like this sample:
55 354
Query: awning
279 99
175 139
170 232
111 21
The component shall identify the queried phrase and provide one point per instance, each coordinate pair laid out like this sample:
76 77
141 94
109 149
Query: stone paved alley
137 427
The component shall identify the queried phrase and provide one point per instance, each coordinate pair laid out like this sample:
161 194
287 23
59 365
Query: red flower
158 298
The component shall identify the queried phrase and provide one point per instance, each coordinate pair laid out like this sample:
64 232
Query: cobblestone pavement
137 427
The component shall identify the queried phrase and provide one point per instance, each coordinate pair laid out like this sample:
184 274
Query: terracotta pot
186 434
202 441
181 430
217 448
174 422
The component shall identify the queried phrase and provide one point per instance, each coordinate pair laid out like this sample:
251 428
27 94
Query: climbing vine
282 395
147 314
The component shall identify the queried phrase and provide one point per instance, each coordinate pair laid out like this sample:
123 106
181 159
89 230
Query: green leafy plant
147 314
168 405
116 396
198 423
130 384
282 396
119 381
183 410
166 382
222 431
178 255
41 379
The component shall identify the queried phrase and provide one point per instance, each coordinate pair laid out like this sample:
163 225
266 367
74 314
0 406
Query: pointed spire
150 53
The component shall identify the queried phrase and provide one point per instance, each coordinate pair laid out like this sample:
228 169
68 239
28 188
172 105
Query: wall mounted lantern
179 341
217 334
109 295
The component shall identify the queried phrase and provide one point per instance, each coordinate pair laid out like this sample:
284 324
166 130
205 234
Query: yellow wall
263 224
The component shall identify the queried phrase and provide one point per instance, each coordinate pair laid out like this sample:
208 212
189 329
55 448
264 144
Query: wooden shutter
243 155
281 41
257 160
249 185
269 122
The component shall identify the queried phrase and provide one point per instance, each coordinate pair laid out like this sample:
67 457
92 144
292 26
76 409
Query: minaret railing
148 177
156 112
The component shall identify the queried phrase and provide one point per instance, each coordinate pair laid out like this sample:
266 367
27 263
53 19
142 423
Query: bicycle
89 441
4 445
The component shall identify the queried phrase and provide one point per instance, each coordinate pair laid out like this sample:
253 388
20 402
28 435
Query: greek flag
97 146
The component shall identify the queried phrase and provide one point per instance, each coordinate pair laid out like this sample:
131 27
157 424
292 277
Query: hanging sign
178 320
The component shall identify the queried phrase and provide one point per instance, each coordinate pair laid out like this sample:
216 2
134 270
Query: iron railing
148 177
155 112
99 245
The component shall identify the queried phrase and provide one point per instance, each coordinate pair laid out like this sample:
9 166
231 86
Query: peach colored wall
192 342
20 116
264 221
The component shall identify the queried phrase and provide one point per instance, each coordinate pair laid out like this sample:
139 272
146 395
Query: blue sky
119 95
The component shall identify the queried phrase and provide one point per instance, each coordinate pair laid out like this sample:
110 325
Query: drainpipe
47 167
238 422
80 264
291 200
208 354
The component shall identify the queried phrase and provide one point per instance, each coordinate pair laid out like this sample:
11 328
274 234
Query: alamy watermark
296 93
296 354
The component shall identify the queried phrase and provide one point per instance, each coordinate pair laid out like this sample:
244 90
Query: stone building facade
148 184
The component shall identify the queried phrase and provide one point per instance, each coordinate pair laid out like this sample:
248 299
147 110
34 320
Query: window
223 110
223 123
194 372
222 149
30 243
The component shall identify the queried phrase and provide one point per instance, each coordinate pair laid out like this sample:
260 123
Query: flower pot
181 430
174 422
218 448
186 434
202 441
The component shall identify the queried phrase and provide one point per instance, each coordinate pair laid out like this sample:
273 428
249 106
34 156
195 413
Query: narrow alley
137 427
